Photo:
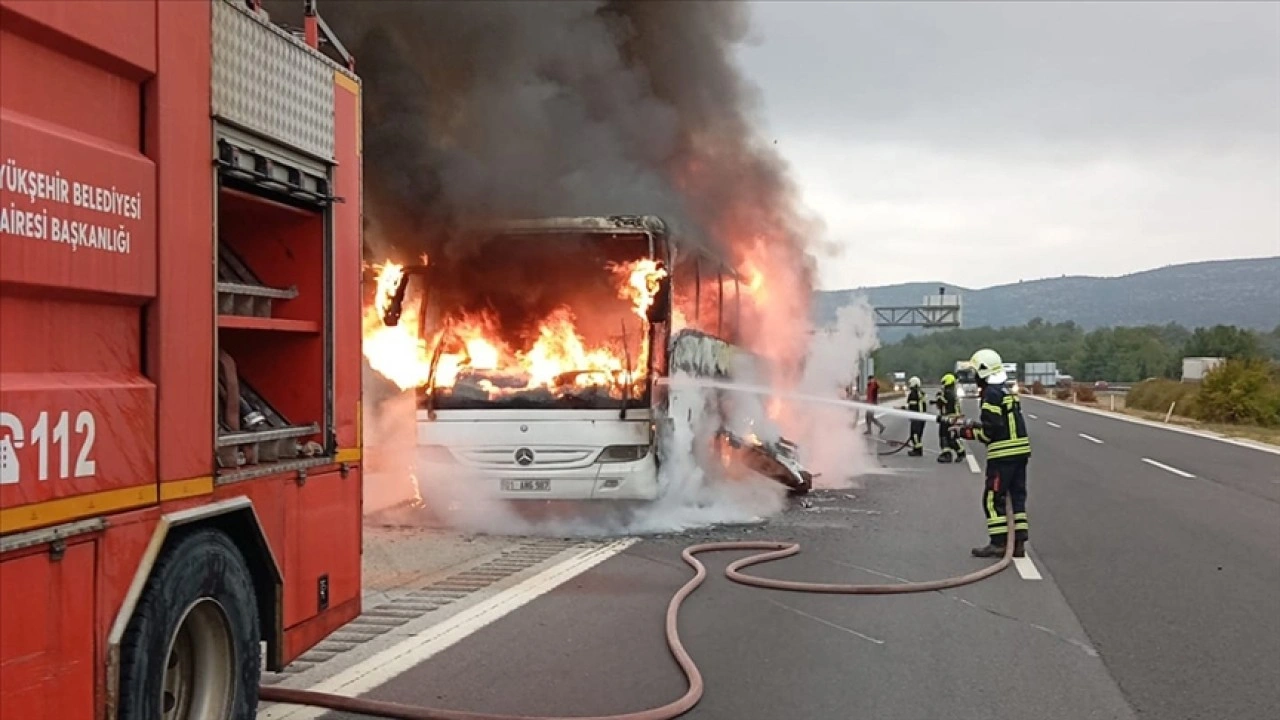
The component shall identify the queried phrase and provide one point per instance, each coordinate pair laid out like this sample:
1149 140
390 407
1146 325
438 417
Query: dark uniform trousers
916 403
1006 478
917 435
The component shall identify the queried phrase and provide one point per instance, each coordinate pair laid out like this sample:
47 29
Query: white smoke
828 444
694 492
390 445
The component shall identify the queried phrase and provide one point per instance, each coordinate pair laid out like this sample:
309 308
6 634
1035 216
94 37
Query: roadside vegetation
1238 392
1120 354
1240 397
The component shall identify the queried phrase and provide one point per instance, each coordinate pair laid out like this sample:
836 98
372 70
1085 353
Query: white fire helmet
987 362
913 382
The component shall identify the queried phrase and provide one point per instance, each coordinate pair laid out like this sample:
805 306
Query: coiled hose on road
772 551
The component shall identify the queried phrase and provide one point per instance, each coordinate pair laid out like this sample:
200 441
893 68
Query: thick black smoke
479 110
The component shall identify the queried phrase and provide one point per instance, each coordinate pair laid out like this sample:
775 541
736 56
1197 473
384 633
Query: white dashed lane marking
1168 468
1090 438
1052 424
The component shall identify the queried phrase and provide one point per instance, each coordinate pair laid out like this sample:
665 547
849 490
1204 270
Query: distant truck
1045 373
966 379
1011 371
900 382
1195 368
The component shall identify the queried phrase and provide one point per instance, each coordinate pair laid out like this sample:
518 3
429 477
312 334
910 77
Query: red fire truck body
180 453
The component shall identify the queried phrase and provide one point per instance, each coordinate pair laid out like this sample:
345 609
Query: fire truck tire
191 650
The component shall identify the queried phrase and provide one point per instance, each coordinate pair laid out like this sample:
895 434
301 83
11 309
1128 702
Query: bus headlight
623 453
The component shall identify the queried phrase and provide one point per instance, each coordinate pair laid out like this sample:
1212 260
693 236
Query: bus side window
732 318
658 351
684 291
709 301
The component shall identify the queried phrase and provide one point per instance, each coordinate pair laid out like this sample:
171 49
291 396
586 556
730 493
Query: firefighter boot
945 457
1019 548
990 551
915 453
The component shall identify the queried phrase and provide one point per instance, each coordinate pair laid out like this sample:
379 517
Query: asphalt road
1160 598
1176 579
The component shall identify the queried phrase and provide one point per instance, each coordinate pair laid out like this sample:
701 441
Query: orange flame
641 279
471 346
395 352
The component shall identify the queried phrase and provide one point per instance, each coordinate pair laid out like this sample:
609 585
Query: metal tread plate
268 82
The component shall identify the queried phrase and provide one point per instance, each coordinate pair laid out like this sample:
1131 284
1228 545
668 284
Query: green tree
1270 343
1120 354
1241 391
1226 341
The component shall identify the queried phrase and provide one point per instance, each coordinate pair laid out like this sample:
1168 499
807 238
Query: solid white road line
1027 568
1162 466
1051 423
973 464
1090 438
387 664
1033 417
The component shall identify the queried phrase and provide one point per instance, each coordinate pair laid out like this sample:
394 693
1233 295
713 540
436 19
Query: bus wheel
191 651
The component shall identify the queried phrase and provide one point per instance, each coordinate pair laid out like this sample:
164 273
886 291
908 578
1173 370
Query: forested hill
1245 293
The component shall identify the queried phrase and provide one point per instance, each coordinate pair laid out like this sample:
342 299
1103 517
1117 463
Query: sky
984 143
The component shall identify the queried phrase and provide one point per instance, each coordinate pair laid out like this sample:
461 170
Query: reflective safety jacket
1003 430
946 400
916 401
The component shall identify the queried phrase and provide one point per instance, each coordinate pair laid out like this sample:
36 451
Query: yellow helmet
948 379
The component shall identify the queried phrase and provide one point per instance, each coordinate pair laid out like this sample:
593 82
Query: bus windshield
541 320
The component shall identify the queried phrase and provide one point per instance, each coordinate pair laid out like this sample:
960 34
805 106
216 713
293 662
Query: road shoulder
1241 442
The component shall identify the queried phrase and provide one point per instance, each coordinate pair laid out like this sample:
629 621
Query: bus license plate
527 485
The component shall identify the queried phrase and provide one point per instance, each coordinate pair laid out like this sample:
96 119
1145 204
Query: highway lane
1176 579
1160 595
1244 469
1007 648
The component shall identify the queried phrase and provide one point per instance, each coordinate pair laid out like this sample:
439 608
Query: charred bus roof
604 225
582 224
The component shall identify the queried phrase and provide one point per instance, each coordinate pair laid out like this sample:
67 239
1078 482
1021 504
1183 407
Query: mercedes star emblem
524 456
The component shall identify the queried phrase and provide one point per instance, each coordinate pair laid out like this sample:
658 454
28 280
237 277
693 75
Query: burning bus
536 359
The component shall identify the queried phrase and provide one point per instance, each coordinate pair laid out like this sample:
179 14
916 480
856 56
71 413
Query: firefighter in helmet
1003 430
916 403
949 407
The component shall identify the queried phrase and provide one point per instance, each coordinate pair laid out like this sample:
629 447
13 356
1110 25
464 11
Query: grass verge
1271 436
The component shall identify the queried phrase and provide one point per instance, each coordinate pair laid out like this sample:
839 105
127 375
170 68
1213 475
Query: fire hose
898 446
771 551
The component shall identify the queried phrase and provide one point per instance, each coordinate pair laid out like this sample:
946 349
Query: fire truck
180 450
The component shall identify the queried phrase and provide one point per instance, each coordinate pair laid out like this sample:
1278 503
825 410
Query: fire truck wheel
191 651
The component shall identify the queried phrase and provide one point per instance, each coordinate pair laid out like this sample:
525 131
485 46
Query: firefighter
916 403
949 407
1003 430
